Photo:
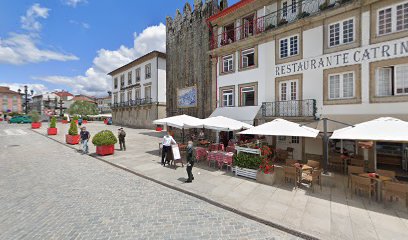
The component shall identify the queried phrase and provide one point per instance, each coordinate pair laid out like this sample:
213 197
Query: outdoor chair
387 173
211 158
357 162
336 163
201 154
314 164
394 190
219 158
353 170
231 149
362 184
281 155
227 160
291 174
314 178
290 162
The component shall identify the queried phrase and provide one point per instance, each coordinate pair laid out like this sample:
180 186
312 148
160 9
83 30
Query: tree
83 108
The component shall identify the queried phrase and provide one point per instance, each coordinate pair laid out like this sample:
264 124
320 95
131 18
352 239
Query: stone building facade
188 62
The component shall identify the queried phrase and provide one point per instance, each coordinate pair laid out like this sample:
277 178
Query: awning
243 114
221 123
381 129
180 121
281 127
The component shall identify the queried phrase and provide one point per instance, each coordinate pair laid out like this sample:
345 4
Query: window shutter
383 82
401 79
244 61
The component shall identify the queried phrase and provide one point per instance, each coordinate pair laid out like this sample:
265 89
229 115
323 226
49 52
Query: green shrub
34 116
245 160
104 138
75 117
73 129
53 123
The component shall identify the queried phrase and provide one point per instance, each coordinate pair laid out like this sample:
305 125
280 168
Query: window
229 34
392 80
228 64
137 73
228 98
148 70
295 140
115 98
115 83
294 6
341 85
248 96
122 97
148 93
284 9
129 95
5 103
392 19
137 94
289 46
130 78
248 24
248 58
282 138
122 80
341 32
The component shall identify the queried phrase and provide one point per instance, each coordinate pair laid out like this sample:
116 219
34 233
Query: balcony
133 103
286 109
281 17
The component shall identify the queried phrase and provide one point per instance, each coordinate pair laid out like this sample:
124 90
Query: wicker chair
395 190
314 178
362 184
386 173
290 174
290 162
353 170
336 163
359 162
314 164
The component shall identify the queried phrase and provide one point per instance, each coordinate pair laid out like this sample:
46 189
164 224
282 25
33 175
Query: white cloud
29 21
74 3
22 48
95 80
38 88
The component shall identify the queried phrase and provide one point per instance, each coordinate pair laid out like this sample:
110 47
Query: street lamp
26 95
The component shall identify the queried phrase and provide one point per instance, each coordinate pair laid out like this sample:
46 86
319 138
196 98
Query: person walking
190 162
85 136
167 142
80 122
121 137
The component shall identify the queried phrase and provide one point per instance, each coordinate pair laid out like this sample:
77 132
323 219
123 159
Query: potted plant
247 165
72 137
76 119
266 173
35 117
303 15
64 120
84 119
53 130
269 27
105 142
282 22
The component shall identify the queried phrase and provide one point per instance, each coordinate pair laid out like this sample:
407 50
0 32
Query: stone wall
188 61
138 116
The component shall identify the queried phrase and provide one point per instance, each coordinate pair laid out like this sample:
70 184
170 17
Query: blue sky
72 44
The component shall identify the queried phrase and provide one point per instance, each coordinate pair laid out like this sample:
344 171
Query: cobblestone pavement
49 191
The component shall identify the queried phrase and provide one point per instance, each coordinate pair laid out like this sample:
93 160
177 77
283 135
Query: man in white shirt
167 142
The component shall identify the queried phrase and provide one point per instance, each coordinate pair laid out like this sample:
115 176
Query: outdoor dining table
380 179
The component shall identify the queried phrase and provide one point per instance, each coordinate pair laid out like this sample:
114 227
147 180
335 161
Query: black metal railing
293 108
291 13
131 103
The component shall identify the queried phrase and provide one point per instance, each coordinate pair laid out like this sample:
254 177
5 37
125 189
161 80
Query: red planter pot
52 131
105 121
64 121
105 150
76 121
84 121
35 125
73 140
159 129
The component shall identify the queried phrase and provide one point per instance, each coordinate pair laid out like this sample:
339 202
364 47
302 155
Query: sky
72 44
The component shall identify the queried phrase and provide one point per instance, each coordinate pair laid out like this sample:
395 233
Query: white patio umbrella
380 129
180 121
221 123
281 127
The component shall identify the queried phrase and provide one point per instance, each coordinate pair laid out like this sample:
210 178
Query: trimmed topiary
53 123
73 129
104 138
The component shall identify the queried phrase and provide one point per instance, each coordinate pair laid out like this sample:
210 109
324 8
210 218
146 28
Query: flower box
265 178
35 125
105 150
64 121
72 139
52 131
245 172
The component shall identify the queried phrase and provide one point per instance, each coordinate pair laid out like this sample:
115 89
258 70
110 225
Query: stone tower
188 61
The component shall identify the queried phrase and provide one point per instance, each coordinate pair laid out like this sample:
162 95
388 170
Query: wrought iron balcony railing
136 102
288 14
293 108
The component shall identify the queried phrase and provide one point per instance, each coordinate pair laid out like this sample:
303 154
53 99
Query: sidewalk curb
212 202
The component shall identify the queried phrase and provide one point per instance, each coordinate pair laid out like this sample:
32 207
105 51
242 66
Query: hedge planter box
35 125
52 131
265 178
72 139
245 172
105 150
64 121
